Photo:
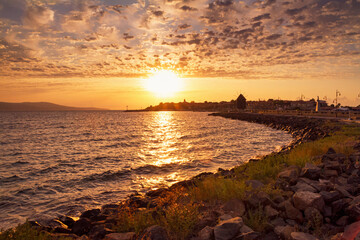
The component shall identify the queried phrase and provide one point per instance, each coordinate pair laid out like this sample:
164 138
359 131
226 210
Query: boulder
67 220
292 212
228 229
310 171
155 232
90 214
302 236
120 236
342 221
305 199
81 226
301 186
328 173
207 233
354 211
290 174
352 231
338 207
270 212
245 229
331 196
284 231
99 232
235 206
278 222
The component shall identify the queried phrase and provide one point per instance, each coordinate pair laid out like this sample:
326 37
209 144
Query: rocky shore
320 200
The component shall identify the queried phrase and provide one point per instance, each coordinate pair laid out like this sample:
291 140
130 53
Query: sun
163 83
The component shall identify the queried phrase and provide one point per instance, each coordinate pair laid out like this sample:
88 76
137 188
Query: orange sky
99 53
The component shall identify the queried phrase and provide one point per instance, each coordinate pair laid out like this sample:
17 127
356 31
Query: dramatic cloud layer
199 38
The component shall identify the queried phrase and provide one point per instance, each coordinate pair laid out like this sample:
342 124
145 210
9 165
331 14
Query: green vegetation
27 232
213 188
256 219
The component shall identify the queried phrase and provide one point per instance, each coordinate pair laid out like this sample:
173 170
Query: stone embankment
301 128
317 202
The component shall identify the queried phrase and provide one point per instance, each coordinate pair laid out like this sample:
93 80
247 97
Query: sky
100 53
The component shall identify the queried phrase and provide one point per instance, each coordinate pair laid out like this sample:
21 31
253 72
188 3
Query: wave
12 179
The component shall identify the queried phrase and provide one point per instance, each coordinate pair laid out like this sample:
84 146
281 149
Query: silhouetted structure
241 102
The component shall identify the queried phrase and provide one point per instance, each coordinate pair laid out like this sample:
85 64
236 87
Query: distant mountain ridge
41 106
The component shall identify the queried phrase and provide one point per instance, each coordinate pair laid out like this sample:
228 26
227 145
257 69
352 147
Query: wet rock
235 206
90 214
305 199
155 232
302 236
255 184
292 212
98 232
157 192
270 212
207 233
228 229
290 174
284 231
120 236
81 226
67 220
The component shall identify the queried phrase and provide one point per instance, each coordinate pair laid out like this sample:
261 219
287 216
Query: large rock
284 231
90 213
310 171
81 226
301 186
120 236
290 174
331 196
352 231
305 199
292 212
270 212
207 233
338 207
228 229
235 206
302 236
155 232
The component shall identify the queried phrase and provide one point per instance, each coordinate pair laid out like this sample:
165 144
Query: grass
256 219
178 219
27 232
212 188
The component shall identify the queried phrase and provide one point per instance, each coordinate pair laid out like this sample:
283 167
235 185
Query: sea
63 163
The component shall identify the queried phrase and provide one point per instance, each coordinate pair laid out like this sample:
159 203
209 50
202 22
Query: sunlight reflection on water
65 162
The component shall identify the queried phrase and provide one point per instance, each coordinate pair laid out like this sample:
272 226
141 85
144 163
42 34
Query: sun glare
164 83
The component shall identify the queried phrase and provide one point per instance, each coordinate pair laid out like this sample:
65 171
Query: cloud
37 16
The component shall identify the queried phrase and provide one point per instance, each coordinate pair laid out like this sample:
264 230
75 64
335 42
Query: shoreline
303 130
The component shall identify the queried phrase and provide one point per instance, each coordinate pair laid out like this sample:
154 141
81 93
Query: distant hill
41 106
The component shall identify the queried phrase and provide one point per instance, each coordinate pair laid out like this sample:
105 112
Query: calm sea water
66 162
